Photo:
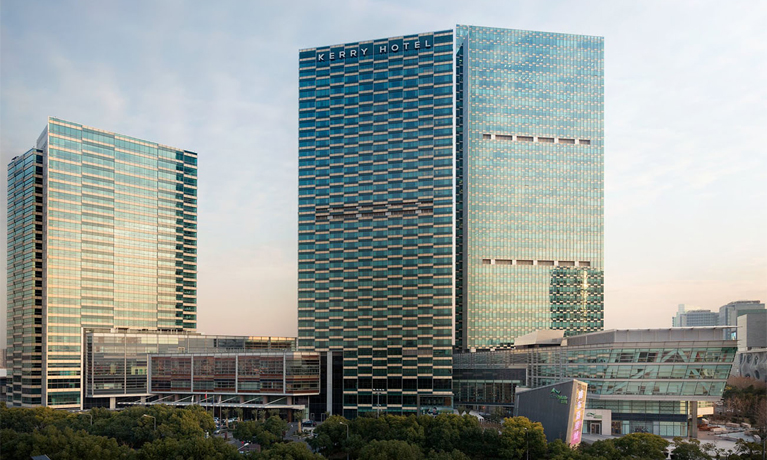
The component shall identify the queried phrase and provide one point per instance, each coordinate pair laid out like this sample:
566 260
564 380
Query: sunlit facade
112 243
529 184
134 367
253 375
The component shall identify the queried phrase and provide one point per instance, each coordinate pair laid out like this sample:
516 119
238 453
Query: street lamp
153 418
527 446
378 393
347 438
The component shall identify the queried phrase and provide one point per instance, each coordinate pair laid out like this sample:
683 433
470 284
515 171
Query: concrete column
693 419
329 377
113 403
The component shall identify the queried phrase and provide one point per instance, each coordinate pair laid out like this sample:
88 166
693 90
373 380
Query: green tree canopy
330 436
641 445
288 451
689 450
263 433
198 448
59 444
390 450
521 439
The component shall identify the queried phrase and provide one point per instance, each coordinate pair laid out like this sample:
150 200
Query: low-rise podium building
649 380
123 368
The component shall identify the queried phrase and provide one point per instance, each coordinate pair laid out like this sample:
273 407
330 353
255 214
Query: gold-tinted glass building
102 233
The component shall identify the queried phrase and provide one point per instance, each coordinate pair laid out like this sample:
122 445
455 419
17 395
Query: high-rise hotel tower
102 233
375 220
529 184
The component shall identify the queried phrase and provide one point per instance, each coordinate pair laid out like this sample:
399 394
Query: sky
685 122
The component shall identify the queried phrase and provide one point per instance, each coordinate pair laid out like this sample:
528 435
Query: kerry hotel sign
369 49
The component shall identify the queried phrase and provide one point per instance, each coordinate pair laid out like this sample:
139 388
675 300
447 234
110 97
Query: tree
497 414
743 399
330 436
474 440
641 445
127 434
604 449
201 448
442 432
760 418
689 450
521 439
24 420
372 428
558 450
491 445
454 455
263 433
748 450
406 428
289 451
390 450
59 444
136 425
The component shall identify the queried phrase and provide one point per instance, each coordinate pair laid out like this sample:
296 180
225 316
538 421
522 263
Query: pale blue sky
686 123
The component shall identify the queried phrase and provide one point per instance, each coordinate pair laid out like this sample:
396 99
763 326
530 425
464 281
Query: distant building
752 346
694 318
752 331
3 385
728 314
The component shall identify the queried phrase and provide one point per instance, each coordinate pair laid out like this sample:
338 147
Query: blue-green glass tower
529 184
102 233
375 219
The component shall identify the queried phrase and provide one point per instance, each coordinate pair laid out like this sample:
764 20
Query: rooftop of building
553 338
180 332
76 125
676 334
745 302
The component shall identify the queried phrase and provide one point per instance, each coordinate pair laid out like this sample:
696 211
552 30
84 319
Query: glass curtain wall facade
116 363
25 279
375 217
646 378
261 373
119 245
529 184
